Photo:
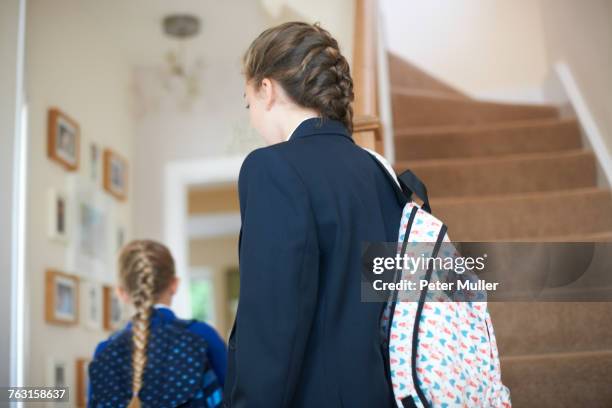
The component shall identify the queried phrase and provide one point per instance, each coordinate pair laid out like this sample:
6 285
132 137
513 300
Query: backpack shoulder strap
406 184
184 323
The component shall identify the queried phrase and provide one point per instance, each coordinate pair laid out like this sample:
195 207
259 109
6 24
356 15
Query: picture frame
57 373
91 242
115 174
59 216
92 306
113 311
63 139
82 379
120 238
61 298
94 161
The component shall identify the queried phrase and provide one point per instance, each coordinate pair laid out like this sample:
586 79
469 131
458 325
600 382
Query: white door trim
178 177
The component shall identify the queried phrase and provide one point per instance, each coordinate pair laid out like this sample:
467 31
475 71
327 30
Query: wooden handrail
367 129
366 123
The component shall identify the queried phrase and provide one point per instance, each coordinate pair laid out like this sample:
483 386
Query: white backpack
442 354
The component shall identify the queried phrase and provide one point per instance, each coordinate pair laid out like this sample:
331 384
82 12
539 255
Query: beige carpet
514 172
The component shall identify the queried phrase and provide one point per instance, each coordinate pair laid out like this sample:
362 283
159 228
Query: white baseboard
563 90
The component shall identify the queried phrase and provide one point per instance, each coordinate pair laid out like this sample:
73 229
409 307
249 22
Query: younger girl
157 359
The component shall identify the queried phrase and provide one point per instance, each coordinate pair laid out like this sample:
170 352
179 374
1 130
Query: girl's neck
293 120
164 300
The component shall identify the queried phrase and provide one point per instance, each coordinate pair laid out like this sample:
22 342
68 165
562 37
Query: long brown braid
146 270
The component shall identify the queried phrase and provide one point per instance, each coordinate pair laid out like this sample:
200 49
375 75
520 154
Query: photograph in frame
115 174
92 241
59 216
61 298
57 372
92 305
113 310
63 140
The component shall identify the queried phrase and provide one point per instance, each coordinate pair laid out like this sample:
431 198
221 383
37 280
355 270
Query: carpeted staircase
511 172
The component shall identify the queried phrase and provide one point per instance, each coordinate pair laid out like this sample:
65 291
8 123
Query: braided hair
146 270
306 60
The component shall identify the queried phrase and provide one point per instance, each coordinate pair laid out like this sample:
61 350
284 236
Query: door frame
179 176
13 138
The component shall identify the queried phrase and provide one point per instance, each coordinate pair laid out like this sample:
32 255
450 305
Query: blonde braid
143 298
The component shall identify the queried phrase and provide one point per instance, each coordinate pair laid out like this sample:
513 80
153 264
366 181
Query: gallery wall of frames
79 190
82 218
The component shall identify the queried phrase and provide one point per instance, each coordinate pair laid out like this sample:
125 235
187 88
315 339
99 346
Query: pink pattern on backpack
457 360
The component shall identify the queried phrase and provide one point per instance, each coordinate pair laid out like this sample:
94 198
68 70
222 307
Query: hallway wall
581 35
72 63
484 48
214 124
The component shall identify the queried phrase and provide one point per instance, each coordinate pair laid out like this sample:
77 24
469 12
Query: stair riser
565 382
550 327
548 173
416 111
530 217
477 143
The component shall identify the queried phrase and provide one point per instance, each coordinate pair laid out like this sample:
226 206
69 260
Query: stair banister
367 127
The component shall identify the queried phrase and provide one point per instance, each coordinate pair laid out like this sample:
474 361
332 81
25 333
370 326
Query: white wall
581 35
72 63
215 125
485 48
337 16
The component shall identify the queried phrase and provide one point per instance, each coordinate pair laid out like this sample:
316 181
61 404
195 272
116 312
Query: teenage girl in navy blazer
157 358
308 201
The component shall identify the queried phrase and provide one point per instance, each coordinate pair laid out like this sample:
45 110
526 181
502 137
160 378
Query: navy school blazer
302 336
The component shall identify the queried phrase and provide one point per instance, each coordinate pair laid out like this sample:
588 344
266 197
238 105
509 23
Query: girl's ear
269 92
174 285
122 294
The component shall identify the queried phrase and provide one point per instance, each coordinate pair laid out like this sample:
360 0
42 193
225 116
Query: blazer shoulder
266 162
264 157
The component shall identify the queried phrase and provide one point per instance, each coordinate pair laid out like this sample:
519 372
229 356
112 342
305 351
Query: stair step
505 174
603 236
526 215
523 328
546 135
410 110
560 380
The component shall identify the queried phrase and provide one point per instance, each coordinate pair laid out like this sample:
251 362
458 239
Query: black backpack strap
410 182
417 319
184 323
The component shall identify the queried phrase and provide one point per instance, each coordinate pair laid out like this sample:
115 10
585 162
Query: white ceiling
136 26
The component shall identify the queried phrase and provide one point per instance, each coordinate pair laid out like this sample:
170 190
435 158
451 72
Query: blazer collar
320 126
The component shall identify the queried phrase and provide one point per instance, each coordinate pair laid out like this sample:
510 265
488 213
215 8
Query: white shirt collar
161 305
293 131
